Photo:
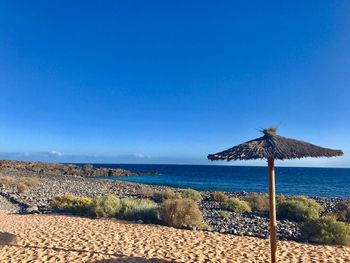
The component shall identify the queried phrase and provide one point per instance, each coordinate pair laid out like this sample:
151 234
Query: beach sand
56 238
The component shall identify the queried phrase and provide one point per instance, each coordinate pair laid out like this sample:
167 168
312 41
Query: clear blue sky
171 81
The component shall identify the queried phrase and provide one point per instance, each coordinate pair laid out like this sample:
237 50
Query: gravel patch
8 207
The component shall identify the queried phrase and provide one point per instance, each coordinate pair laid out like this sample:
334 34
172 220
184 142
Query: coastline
83 170
37 200
42 234
317 182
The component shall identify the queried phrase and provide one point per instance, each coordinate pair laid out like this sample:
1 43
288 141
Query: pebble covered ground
7 206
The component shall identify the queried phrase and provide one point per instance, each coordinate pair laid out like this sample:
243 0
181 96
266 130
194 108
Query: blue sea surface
326 182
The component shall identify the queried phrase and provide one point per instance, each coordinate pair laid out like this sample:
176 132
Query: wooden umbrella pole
272 199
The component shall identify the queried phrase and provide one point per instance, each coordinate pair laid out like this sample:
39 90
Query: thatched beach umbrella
270 147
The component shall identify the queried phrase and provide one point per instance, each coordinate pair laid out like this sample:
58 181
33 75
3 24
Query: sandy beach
57 238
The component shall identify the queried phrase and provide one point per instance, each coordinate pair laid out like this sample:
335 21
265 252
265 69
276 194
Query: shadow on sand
8 240
126 259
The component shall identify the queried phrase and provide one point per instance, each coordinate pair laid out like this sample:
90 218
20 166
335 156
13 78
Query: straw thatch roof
273 146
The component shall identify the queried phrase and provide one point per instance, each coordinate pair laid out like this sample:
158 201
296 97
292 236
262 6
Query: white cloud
55 153
140 155
132 156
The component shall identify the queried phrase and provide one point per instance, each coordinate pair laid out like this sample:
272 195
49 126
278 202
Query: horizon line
180 164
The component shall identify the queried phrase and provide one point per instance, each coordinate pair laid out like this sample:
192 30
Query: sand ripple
54 238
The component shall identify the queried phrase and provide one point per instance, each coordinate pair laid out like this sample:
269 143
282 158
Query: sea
322 182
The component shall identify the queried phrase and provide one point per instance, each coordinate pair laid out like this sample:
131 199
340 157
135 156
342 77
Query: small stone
33 210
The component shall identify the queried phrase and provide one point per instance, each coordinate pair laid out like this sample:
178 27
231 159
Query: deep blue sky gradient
171 81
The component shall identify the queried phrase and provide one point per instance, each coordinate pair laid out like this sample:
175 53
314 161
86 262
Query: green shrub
72 204
258 202
224 214
219 196
299 209
82 206
106 206
181 213
326 231
192 194
296 211
139 209
160 196
343 211
146 191
235 205
60 202
334 215
308 202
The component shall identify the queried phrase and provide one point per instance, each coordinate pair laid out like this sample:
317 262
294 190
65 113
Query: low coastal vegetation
219 196
236 205
165 194
296 220
139 209
20 184
258 202
322 230
181 213
177 212
343 211
224 213
192 194
73 204
162 195
327 231
105 206
299 209
180 209
146 192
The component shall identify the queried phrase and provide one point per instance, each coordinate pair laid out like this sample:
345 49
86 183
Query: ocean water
326 182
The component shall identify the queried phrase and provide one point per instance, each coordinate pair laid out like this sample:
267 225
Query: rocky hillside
60 169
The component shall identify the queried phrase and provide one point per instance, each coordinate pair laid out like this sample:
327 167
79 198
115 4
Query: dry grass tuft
21 183
192 194
146 192
219 196
181 213
258 202
160 196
